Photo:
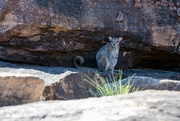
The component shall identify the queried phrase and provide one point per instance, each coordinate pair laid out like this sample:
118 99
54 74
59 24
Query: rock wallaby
106 57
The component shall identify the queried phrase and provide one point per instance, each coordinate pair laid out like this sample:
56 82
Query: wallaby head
115 41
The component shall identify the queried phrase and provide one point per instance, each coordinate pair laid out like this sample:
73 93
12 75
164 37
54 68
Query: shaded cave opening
158 60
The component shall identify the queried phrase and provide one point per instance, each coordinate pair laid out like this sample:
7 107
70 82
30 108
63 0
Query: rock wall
53 32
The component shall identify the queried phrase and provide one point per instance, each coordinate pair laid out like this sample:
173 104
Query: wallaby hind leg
103 64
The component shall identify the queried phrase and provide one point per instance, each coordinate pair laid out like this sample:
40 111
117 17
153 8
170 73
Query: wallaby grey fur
107 55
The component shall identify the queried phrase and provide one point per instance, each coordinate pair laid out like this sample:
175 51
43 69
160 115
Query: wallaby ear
120 38
110 38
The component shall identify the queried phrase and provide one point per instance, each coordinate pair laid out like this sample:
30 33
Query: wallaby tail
78 61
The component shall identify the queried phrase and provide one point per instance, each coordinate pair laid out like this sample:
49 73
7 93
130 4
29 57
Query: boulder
140 106
52 33
19 89
146 83
73 86
159 74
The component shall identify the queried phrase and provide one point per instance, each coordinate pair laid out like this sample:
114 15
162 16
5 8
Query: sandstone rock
159 74
178 11
52 33
163 36
140 106
120 17
145 83
19 89
73 86
137 3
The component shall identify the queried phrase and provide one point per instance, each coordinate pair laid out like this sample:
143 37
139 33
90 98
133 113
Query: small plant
104 88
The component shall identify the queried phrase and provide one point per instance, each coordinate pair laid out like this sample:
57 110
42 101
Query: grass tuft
104 88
